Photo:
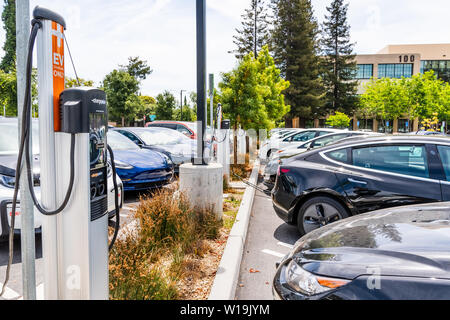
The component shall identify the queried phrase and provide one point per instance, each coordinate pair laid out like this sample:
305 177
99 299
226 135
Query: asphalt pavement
269 239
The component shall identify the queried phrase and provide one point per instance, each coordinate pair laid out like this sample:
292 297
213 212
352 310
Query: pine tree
254 34
9 24
295 48
339 60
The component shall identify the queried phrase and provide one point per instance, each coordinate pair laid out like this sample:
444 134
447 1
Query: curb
225 282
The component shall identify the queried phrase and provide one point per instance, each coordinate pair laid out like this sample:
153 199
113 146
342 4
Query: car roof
368 140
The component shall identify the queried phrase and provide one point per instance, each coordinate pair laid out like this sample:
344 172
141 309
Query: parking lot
268 240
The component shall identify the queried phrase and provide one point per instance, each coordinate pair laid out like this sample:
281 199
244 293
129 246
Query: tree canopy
165 106
418 97
8 63
251 94
254 34
295 49
338 62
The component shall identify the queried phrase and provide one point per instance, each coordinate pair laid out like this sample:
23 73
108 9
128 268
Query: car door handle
357 181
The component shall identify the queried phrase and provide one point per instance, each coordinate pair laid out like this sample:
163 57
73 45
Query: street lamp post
181 104
201 80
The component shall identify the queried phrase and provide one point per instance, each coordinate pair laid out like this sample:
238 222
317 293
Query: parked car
271 169
139 169
430 133
393 254
9 148
332 183
189 129
175 145
265 149
297 138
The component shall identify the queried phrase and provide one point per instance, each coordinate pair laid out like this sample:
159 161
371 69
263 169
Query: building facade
393 61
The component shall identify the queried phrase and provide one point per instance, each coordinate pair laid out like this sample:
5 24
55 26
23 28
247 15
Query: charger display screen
97 135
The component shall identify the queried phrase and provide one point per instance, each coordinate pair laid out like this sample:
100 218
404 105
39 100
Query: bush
167 229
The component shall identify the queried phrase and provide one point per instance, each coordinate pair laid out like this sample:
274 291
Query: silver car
9 147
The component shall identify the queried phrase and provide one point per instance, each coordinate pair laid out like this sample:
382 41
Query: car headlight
168 160
122 165
7 181
307 283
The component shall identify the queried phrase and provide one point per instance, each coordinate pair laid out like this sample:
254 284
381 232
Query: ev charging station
75 241
73 124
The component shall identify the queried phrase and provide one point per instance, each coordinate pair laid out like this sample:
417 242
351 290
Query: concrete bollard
203 186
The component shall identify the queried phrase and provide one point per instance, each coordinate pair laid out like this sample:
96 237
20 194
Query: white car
9 147
265 149
298 138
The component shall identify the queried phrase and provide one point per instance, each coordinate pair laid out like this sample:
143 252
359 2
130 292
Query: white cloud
104 33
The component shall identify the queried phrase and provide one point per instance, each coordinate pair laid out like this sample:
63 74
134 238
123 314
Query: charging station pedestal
75 242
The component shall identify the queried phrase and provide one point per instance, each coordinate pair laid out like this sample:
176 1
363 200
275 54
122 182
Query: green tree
339 120
252 93
165 106
137 68
295 48
73 83
254 34
121 89
421 96
8 62
339 64
147 107
8 93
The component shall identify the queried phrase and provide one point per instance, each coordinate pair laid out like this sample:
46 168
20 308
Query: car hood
410 241
8 165
141 158
186 150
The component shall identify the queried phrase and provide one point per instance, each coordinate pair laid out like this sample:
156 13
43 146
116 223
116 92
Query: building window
405 126
440 67
364 71
365 124
396 70
385 126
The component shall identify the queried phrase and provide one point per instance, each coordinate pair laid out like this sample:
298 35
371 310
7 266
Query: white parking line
273 253
9 294
286 245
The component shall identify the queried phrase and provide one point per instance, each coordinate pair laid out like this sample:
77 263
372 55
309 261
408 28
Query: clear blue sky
104 33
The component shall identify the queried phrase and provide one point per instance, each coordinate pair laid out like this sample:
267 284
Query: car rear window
339 155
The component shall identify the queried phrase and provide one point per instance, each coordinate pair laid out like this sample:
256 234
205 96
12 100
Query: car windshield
9 138
162 137
119 142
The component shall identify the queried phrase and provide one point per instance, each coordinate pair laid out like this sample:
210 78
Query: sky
102 34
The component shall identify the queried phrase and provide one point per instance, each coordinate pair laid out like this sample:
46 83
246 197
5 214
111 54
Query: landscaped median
173 251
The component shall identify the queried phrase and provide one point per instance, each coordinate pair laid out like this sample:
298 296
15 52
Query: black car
326 185
398 254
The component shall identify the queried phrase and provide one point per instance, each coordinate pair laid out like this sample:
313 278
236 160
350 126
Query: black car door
383 176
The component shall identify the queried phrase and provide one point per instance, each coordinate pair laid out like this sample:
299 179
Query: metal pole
26 204
181 104
211 100
201 80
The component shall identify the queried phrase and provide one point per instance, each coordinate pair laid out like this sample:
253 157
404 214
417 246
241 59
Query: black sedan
329 184
398 254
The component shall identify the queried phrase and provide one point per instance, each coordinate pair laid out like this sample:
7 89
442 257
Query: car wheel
319 212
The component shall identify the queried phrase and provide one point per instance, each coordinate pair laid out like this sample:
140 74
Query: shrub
167 229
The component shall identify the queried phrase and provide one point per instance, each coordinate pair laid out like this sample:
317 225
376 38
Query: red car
186 128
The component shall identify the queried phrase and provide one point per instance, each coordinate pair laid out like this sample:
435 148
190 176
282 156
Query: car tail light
284 171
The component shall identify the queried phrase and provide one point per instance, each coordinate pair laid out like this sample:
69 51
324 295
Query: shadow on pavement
287 234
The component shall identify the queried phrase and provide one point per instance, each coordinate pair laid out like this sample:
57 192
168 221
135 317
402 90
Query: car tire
330 211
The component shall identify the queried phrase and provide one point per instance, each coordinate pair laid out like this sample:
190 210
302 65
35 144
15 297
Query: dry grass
147 263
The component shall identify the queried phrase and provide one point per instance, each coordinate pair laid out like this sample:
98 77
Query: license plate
9 210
